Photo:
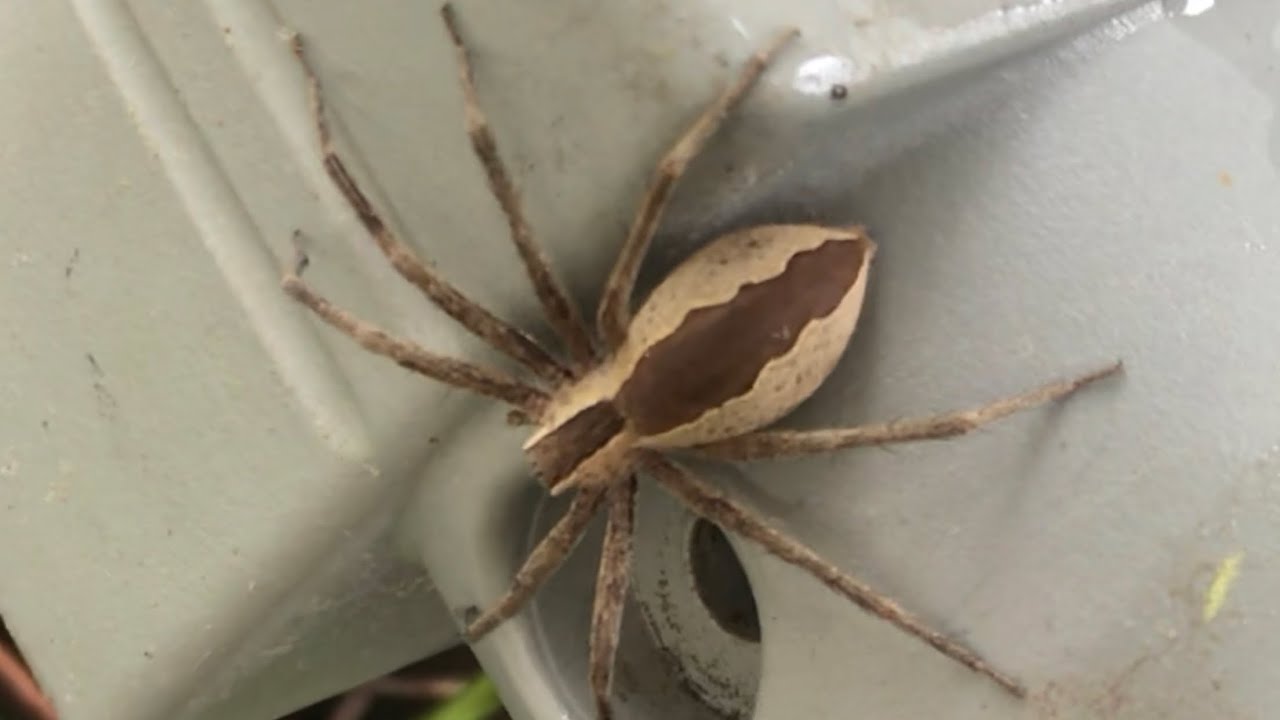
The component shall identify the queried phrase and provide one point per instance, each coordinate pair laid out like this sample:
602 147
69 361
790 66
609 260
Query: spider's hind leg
766 444
732 516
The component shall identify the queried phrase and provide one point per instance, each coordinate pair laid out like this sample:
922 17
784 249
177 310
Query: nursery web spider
733 339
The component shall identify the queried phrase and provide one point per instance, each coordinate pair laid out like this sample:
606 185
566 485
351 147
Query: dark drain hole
721 583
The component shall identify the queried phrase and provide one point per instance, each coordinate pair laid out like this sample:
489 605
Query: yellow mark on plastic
1223 578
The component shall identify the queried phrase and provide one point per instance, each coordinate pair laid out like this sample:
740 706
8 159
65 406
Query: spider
733 339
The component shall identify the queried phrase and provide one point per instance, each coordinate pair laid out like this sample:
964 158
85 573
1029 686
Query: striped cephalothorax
733 339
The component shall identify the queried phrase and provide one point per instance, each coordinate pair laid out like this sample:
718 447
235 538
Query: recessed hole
721 582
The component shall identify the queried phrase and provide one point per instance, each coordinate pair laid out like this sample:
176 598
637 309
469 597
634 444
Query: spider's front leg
559 310
545 558
502 336
525 398
612 581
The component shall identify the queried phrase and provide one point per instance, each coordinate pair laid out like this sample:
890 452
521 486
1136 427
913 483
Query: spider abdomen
740 333
734 338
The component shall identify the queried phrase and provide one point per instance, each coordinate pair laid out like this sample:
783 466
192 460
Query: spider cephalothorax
733 339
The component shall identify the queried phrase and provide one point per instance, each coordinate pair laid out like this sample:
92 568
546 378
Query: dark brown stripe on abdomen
716 352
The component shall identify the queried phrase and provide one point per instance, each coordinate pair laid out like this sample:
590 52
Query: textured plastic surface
216 506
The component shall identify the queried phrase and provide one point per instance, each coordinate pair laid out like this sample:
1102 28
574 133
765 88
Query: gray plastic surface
213 507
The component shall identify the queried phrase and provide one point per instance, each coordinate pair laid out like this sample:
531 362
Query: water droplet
1189 8
816 76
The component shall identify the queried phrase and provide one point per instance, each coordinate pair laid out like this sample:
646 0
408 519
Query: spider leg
458 373
562 313
611 590
545 559
731 515
501 335
614 313
786 443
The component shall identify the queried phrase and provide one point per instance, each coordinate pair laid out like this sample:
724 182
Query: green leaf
477 701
